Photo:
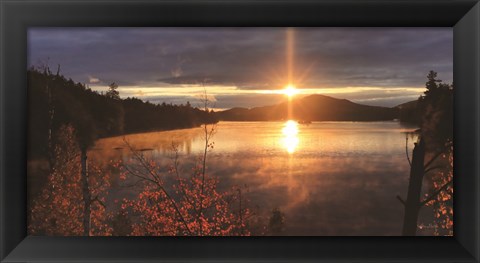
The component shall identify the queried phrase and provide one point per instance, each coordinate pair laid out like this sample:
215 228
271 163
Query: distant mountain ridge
409 112
312 108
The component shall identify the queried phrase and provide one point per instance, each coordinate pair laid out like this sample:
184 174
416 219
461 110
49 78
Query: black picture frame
17 16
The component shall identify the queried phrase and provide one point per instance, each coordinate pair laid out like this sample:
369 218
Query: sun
290 90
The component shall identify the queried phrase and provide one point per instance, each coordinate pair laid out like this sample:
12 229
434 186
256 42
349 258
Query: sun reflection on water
290 138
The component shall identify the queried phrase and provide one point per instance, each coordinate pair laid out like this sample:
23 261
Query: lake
328 178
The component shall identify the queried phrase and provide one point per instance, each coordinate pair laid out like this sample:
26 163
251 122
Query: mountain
407 105
312 108
409 112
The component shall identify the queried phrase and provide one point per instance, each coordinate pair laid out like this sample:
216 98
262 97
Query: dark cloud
249 58
204 78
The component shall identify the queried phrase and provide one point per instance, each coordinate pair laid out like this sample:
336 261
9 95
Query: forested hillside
54 100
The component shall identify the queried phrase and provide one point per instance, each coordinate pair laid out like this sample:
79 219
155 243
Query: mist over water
329 178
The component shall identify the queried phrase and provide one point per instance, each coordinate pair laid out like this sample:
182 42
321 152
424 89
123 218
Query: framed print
240 131
229 132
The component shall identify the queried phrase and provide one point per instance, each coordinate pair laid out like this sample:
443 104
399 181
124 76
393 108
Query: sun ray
290 51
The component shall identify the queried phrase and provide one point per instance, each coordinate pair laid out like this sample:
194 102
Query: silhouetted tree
112 92
436 141
436 109
276 222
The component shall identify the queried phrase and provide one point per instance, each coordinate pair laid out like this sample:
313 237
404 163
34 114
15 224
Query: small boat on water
304 122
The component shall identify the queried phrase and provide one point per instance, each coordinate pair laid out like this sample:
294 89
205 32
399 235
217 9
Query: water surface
329 178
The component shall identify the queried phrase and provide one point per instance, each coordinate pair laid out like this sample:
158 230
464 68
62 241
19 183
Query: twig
139 176
208 135
406 150
401 200
175 167
142 160
133 185
433 195
433 159
97 200
156 181
433 168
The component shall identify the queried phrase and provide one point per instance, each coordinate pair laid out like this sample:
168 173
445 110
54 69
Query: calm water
329 178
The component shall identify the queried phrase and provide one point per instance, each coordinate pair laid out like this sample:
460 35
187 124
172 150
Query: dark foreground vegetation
431 163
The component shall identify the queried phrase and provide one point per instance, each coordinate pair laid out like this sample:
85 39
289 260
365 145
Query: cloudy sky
247 67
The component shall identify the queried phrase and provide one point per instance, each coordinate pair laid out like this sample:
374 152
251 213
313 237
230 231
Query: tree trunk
412 204
86 193
51 114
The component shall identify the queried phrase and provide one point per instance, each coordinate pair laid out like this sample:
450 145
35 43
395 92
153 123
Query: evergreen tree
112 92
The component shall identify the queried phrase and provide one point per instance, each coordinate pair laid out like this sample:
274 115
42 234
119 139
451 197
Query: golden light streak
290 91
146 92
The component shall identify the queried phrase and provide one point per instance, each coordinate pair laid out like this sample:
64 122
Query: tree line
55 101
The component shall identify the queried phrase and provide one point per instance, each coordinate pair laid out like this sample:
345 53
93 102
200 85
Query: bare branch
433 159
58 70
138 175
434 194
134 184
401 200
406 150
156 180
207 136
176 170
142 160
98 201
433 168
